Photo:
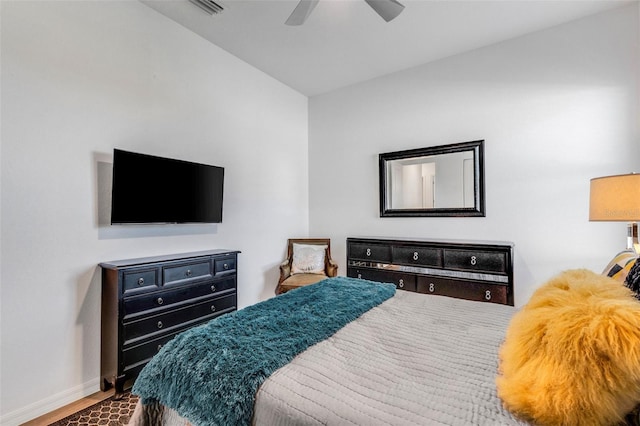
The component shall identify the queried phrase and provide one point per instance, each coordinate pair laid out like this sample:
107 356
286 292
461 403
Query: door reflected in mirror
444 180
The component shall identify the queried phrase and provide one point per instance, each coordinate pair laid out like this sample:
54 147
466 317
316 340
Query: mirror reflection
436 181
412 183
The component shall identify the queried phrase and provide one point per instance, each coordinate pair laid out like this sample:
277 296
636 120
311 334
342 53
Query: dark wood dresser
480 271
147 301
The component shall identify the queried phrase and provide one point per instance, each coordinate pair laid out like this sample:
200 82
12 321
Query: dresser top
163 258
434 240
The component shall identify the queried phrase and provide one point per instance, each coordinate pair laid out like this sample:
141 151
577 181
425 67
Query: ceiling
344 42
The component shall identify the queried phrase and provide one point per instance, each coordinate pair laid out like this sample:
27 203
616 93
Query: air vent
209 6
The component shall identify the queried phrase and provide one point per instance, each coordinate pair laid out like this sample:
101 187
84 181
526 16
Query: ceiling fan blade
301 12
387 9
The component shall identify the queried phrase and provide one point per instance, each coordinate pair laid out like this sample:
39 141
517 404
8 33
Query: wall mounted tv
150 189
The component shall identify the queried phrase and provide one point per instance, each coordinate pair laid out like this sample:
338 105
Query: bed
406 359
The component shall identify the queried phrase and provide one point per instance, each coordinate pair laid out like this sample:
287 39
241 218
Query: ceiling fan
387 9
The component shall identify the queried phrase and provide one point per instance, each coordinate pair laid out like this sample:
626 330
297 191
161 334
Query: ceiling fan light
387 9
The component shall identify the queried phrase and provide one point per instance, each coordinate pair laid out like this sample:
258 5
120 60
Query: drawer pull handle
368 252
401 283
213 288
432 287
474 260
159 347
140 281
360 276
225 266
415 255
160 301
188 272
160 324
487 295
213 308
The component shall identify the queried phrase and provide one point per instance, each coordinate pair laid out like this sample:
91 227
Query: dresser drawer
368 274
401 280
370 252
183 273
141 280
470 290
417 256
475 260
183 294
225 266
169 320
136 355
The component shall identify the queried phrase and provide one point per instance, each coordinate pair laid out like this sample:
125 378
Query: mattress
413 360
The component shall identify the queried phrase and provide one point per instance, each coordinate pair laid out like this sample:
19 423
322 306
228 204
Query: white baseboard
50 404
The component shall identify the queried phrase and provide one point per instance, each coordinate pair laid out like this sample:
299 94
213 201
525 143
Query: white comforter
414 360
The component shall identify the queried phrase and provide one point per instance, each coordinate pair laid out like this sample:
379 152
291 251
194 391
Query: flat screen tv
150 189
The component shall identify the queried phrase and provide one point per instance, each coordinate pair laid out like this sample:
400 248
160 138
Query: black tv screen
150 189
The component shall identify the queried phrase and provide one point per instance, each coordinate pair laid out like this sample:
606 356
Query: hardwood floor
70 409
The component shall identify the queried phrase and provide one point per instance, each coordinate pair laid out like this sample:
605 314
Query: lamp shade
615 198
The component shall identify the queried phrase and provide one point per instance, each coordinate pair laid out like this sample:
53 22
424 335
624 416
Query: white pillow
308 259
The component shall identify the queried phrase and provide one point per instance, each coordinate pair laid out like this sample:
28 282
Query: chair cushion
308 259
300 280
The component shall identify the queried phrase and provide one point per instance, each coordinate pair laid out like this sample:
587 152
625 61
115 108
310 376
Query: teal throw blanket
210 374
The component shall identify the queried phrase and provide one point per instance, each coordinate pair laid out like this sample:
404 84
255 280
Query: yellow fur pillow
572 355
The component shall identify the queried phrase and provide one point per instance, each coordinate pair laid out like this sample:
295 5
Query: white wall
556 108
78 79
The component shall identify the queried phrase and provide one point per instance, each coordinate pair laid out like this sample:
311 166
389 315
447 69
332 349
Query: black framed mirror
438 181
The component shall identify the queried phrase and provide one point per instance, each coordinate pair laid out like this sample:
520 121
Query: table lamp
617 199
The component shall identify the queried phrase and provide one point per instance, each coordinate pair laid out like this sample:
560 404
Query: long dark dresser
480 271
147 301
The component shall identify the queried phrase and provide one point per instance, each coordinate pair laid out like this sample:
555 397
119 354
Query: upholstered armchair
308 261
